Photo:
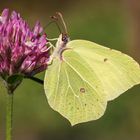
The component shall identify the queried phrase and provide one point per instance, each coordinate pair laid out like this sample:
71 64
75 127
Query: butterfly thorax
60 46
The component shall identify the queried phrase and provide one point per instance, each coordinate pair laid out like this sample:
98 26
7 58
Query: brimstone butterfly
84 76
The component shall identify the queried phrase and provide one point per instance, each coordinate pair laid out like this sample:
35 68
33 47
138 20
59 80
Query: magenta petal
30 67
4 15
37 29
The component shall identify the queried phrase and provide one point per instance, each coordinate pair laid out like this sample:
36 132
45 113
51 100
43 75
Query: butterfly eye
64 38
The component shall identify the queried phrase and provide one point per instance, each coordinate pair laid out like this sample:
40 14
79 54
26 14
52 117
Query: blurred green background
112 23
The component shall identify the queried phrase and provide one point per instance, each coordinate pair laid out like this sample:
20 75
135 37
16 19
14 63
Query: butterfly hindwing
74 92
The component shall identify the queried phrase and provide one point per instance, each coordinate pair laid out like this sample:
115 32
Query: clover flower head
22 50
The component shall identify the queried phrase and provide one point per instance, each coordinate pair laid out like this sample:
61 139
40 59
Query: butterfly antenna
53 20
59 15
60 23
49 23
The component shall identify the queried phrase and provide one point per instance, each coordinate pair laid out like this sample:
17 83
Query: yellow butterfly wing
79 84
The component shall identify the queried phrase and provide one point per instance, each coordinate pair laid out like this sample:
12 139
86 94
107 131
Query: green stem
9 115
35 79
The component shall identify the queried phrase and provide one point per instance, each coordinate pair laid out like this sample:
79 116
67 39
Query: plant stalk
9 115
35 79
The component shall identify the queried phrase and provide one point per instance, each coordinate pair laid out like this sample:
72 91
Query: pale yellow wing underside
89 75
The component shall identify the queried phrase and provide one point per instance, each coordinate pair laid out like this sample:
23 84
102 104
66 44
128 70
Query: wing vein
73 90
81 76
58 78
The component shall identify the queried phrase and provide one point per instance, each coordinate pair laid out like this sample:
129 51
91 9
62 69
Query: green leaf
79 85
